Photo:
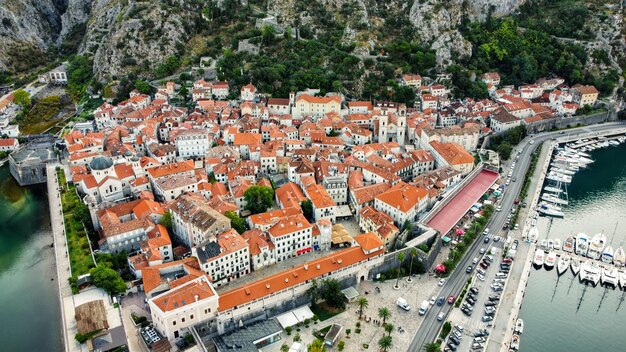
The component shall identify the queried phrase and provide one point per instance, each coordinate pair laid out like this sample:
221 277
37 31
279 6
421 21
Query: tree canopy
108 279
21 98
259 199
236 222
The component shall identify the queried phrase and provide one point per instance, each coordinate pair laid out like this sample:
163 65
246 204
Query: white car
499 208
432 301
480 277
497 239
482 251
440 316
442 282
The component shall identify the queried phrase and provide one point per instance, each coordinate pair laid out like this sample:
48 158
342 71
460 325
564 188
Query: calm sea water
29 313
560 314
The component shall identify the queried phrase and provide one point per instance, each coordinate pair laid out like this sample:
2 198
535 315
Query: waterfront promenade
64 271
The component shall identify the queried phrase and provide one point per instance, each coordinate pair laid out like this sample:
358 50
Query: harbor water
30 314
561 314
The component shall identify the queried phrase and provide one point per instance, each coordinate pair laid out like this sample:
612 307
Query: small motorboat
607 255
622 279
556 244
539 258
515 342
575 266
533 234
568 245
610 277
563 264
550 244
550 261
543 243
582 244
519 326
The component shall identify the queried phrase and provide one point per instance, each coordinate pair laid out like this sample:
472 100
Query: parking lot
489 282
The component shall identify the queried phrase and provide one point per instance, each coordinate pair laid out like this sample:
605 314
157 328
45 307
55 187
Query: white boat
551 198
550 244
551 206
575 266
550 261
610 277
563 171
619 257
557 177
539 258
519 326
544 243
622 279
549 211
607 255
556 244
563 264
594 273
582 244
553 189
533 234
596 246
568 245
515 342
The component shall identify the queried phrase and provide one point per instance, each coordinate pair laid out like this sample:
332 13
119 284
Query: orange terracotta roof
368 241
319 100
453 153
272 217
298 275
403 196
186 294
289 225
171 169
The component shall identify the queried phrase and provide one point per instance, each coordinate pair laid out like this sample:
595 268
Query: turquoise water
560 314
30 313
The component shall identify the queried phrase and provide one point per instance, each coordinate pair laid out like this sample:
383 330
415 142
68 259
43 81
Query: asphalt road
428 330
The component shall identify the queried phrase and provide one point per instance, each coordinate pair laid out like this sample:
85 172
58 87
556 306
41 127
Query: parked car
442 282
487 318
474 290
480 277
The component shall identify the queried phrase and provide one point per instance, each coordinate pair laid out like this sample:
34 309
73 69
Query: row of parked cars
454 340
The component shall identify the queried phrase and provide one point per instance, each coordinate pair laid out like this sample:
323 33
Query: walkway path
66 298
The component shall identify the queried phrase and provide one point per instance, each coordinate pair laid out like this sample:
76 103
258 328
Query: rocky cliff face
124 34
437 21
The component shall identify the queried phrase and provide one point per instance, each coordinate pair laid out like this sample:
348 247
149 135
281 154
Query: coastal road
428 330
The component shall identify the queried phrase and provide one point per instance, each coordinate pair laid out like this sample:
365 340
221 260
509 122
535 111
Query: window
174 323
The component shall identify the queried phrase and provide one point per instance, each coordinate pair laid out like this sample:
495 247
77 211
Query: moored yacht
610 277
596 246
550 261
607 255
552 189
563 171
582 244
543 243
563 264
539 258
550 244
557 177
551 198
619 257
575 265
548 210
568 245
622 279
515 342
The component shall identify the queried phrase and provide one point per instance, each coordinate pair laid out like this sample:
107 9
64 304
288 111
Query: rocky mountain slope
125 34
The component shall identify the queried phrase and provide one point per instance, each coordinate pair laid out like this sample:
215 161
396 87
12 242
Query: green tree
314 292
389 328
297 337
268 34
237 222
384 313
432 347
166 220
143 87
108 279
404 94
259 199
307 209
385 343
331 293
400 257
316 346
362 303
341 345
284 348
22 98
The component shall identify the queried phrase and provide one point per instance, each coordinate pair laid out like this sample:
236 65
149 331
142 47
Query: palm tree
389 328
384 314
413 254
432 347
385 343
316 346
400 258
362 302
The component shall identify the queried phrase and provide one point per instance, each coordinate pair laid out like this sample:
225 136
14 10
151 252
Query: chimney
196 297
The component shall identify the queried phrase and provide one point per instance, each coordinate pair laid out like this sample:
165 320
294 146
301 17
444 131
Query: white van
402 303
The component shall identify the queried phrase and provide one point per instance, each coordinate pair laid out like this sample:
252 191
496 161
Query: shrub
288 330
